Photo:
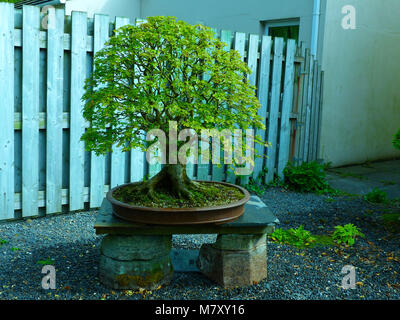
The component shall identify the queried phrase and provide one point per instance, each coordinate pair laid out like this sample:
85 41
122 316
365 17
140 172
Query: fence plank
303 107
252 53
239 45
30 111
7 111
274 108
319 106
262 94
97 163
117 156
204 168
218 171
313 125
54 130
287 103
77 126
307 123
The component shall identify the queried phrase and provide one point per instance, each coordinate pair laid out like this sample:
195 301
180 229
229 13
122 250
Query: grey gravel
70 241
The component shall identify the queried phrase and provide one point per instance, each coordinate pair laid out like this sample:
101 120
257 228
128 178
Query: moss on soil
212 194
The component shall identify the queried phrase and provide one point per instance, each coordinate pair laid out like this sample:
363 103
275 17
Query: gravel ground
70 241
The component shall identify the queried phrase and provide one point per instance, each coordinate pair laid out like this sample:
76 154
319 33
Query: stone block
231 267
240 241
136 247
147 274
132 262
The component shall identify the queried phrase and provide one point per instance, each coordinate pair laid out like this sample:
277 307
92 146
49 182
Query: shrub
376 196
346 234
308 177
299 237
396 140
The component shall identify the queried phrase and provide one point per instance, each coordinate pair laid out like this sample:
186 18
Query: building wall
236 15
361 102
122 8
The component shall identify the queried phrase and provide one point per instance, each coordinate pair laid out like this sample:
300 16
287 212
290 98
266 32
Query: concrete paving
361 179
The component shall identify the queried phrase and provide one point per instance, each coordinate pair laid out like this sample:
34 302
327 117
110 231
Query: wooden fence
44 168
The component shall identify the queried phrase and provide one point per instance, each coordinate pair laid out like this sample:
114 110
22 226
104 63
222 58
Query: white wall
122 8
236 15
361 109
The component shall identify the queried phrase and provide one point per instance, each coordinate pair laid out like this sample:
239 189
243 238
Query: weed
392 221
308 177
299 237
46 262
346 234
376 196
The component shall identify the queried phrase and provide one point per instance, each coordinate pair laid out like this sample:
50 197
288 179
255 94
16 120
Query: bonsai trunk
173 178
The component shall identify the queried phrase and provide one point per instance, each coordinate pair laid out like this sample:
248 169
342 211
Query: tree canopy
165 70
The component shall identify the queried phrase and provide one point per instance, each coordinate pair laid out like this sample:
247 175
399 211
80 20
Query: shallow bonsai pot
179 216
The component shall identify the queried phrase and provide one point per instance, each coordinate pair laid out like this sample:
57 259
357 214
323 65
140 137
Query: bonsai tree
150 74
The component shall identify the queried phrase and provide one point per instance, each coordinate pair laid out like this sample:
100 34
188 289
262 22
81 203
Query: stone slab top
257 218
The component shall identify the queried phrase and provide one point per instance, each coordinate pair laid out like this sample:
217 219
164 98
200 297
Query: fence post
284 140
77 123
54 130
274 109
30 110
7 110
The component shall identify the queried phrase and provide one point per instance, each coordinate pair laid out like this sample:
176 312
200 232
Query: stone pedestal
135 261
235 260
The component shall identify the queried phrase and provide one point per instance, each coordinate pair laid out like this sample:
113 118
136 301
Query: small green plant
346 234
15 249
391 221
257 185
46 262
308 177
299 237
396 140
376 196
3 241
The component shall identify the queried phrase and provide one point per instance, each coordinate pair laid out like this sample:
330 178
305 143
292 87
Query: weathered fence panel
43 164
54 128
97 165
274 109
7 111
30 111
284 141
77 122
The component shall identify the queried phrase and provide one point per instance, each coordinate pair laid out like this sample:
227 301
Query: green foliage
391 221
46 262
308 177
15 249
299 237
11 1
3 241
150 74
257 185
346 234
396 140
376 196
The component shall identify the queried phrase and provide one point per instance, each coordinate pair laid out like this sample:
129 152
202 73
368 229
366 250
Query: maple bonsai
150 74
